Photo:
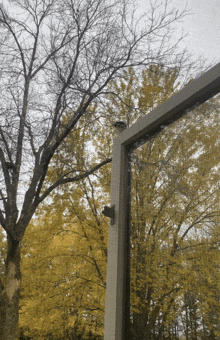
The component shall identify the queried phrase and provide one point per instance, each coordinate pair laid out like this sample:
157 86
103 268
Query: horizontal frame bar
191 96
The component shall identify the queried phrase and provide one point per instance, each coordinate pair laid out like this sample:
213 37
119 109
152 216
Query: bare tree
58 57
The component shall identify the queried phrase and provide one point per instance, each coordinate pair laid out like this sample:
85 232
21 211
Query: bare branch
77 178
57 62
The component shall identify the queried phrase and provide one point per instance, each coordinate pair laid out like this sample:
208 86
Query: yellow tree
58 57
175 199
175 180
64 267
75 233
175 192
64 270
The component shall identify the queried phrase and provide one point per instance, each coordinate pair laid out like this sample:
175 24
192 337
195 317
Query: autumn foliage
175 234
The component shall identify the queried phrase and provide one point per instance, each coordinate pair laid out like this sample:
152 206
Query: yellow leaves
157 86
174 219
175 209
65 291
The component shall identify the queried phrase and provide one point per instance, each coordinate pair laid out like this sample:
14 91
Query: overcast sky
203 27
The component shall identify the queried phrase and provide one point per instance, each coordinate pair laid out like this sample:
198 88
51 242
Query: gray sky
203 27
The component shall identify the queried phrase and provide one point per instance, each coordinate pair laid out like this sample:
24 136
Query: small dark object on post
109 212
120 126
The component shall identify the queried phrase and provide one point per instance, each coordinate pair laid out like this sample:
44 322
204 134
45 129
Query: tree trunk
10 293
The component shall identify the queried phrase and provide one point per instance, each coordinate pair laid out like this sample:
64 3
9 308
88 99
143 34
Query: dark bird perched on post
120 126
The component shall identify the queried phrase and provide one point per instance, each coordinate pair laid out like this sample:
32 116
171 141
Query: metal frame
117 294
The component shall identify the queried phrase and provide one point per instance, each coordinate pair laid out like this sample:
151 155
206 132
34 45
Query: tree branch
71 180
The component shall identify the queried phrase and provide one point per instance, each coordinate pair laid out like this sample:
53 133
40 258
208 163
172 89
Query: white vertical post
117 295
